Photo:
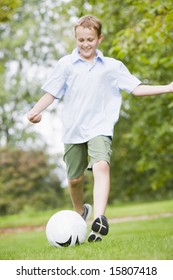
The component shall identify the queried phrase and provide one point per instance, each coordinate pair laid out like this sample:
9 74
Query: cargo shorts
82 156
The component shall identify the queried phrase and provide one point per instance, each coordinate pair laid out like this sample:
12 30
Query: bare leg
101 172
76 193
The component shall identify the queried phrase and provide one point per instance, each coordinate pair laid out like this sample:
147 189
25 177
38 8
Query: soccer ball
66 228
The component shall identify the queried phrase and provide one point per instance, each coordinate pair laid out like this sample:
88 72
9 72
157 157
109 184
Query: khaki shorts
79 157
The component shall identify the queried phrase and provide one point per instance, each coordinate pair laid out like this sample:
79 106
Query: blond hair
90 22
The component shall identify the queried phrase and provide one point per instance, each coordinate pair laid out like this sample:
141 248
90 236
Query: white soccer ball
66 228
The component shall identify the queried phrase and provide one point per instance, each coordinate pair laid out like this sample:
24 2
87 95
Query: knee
76 181
101 166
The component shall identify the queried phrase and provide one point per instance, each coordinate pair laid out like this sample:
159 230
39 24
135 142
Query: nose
85 43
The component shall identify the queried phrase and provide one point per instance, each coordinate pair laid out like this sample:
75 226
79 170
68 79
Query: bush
27 178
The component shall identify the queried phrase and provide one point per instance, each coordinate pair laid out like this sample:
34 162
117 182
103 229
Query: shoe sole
94 237
100 225
99 228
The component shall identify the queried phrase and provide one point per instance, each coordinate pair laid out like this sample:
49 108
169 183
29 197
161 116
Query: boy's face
87 41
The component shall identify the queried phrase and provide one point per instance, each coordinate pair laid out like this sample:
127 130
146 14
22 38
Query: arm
146 90
34 115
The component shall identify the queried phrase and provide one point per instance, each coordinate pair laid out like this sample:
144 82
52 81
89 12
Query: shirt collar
76 56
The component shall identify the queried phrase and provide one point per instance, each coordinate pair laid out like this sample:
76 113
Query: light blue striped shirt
91 94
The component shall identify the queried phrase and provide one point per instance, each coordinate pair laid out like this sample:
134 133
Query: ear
101 37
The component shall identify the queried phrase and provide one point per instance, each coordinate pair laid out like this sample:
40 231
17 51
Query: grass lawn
146 240
31 217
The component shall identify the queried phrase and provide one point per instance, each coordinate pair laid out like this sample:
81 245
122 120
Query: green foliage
142 151
144 43
143 160
31 42
27 179
7 8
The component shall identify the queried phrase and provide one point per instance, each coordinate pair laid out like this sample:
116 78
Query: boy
90 85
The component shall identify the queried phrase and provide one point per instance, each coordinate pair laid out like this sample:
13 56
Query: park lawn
140 208
146 240
36 218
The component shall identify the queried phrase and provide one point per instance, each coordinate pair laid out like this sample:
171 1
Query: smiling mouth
86 50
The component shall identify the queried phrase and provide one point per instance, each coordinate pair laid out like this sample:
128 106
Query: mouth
86 49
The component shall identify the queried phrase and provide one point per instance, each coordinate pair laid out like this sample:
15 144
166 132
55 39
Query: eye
90 39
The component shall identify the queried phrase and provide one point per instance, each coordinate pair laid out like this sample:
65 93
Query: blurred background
34 35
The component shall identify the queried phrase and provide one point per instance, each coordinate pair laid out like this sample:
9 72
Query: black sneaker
99 228
87 212
94 237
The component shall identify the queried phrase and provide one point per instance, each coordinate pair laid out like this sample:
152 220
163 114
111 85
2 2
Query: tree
7 9
32 41
145 46
28 178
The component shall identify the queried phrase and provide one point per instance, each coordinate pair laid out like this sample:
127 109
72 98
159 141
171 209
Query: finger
34 118
37 118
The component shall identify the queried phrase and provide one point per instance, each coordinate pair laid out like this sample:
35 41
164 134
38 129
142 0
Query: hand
171 87
34 117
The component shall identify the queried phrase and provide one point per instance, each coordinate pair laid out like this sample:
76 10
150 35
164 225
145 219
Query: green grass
135 240
31 217
146 240
137 209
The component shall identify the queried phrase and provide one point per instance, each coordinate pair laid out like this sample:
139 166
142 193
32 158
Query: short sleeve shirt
91 94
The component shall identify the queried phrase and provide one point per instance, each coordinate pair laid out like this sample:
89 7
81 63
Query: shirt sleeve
56 83
127 81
